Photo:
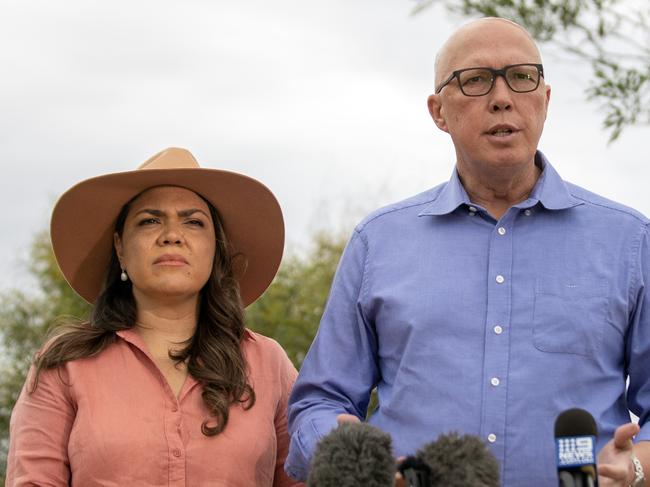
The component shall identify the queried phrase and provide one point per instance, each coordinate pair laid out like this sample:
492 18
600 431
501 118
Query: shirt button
174 409
500 279
176 452
494 381
498 330
492 437
472 213
472 209
528 212
502 231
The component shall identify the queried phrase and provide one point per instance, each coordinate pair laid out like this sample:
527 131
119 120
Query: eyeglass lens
476 82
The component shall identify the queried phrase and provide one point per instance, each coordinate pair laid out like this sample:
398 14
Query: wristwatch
639 477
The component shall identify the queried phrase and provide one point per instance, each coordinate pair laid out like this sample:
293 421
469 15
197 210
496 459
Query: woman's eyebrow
191 211
181 213
151 211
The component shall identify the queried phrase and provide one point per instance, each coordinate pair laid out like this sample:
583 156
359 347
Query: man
493 302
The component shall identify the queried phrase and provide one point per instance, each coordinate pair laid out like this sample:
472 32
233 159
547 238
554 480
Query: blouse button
176 452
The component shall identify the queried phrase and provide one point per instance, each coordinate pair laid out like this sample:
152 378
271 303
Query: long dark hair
213 354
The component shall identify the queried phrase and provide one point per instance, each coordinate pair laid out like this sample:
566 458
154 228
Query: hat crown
171 158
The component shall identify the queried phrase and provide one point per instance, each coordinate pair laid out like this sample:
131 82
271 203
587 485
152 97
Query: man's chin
503 159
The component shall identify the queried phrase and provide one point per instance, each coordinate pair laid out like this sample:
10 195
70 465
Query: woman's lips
171 260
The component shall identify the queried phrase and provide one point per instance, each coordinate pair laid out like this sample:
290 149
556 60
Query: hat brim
83 223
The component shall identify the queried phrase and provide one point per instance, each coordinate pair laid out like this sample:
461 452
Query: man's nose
500 95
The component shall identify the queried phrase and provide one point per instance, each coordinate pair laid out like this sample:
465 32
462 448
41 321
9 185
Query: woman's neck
164 327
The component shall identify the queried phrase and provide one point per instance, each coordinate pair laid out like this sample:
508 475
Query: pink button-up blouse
112 420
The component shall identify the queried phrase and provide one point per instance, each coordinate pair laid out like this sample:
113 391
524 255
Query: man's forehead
484 42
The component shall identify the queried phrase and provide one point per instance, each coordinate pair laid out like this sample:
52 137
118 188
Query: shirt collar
451 196
550 190
134 339
249 335
129 335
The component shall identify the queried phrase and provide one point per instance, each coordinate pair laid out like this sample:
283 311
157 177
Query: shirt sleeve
40 427
638 340
287 378
340 368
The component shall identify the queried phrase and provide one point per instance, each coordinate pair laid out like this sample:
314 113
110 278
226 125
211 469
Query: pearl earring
123 276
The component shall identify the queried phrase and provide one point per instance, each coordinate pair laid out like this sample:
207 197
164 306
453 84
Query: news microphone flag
575 448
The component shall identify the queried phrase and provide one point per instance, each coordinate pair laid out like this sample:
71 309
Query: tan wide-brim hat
83 220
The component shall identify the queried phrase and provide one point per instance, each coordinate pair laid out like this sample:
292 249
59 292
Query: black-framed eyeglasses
520 78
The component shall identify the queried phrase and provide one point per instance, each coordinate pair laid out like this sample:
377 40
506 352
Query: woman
163 385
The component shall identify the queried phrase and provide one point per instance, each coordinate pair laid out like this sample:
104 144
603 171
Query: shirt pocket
570 316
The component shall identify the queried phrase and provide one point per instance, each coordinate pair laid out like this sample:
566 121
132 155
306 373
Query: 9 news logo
575 451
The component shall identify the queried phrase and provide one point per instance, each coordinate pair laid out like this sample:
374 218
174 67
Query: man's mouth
501 130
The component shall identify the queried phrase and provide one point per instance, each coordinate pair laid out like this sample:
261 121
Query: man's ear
548 99
437 112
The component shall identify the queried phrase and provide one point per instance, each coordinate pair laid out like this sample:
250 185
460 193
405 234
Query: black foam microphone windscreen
460 461
353 455
575 448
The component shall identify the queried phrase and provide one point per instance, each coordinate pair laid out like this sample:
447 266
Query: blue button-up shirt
492 328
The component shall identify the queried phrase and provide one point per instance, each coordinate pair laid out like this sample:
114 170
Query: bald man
494 301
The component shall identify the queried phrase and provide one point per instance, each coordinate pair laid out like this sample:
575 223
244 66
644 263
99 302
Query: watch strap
639 476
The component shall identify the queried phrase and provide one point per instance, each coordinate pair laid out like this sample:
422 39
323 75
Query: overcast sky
324 102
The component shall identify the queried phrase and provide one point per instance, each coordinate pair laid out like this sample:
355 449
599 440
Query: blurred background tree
612 36
291 308
24 322
289 312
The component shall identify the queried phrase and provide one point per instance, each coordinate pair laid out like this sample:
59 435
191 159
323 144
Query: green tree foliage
610 35
288 312
292 307
24 322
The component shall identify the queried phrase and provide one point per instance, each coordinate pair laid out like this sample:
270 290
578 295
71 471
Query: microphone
452 461
575 446
353 455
